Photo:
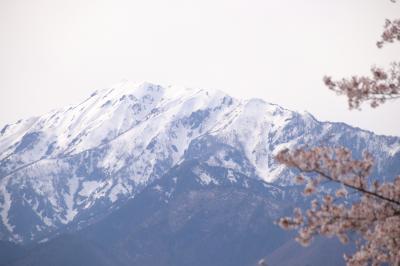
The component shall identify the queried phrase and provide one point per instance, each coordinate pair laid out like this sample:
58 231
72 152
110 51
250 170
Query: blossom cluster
374 216
383 85
391 32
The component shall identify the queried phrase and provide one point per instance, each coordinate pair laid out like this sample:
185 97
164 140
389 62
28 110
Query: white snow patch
44 240
204 178
394 149
88 187
231 177
116 191
158 188
5 206
69 198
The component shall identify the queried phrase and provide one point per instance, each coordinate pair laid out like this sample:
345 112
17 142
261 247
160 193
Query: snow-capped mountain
71 167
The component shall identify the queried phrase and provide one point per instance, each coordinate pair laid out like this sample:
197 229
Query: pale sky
56 53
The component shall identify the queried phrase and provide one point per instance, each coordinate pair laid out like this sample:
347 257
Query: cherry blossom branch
384 85
374 217
359 189
391 32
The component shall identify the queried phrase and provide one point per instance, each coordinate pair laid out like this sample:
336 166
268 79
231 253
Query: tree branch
345 184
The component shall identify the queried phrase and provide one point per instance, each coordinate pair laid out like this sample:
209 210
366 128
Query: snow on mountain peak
103 116
68 162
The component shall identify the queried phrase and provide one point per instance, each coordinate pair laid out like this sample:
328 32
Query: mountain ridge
90 158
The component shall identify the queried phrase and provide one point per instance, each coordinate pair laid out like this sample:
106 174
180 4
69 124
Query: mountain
140 169
322 251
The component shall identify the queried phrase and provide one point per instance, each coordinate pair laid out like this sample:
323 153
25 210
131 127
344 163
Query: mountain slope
180 220
322 251
193 215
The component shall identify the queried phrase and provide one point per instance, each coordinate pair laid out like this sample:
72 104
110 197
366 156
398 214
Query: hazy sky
55 53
